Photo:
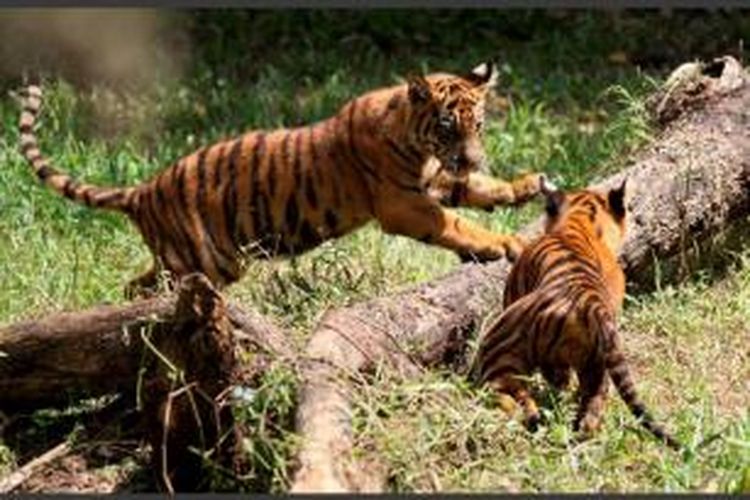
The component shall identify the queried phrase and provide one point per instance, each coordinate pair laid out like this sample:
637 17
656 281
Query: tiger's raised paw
530 185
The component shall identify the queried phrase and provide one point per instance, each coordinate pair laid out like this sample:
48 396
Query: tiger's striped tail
94 196
619 372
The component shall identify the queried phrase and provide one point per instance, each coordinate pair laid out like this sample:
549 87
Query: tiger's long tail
111 198
619 372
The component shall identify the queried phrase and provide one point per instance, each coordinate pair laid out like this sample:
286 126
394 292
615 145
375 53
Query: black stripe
219 164
201 191
418 155
458 192
45 171
412 188
312 197
310 193
353 146
511 324
556 330
310 187
273 168
498 369
141 215
184 246
291 214
335 160
297 158
182 199
231 217
279 246
69 188
206 219
86 195
258 151
26 128
402 155
262 218
332 221
309 237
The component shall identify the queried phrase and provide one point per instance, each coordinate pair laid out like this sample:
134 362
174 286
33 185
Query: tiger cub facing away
560 303
282 192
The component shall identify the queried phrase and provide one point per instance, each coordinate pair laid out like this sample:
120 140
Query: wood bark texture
53 360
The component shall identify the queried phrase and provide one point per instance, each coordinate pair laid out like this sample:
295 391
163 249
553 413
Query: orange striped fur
560 304
394 154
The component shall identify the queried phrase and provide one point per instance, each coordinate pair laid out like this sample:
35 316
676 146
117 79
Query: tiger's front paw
528 186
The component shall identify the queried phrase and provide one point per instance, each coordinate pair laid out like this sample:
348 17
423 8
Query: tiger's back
281 178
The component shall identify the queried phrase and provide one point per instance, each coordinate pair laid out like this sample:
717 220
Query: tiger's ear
485 74
616 200
419 89
554 196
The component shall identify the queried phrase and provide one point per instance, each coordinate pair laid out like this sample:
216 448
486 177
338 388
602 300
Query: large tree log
52 360
691 182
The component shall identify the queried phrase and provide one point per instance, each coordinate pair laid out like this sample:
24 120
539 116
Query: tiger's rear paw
533 421
588 425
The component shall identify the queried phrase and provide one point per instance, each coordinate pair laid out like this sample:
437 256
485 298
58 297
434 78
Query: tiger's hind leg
593 394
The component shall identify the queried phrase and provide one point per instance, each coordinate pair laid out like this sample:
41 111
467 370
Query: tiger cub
560 303
282 192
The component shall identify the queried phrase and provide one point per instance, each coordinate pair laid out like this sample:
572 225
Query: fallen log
690 184
52 361
176 355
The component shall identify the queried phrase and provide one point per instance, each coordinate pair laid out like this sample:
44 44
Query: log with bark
690 184
175 355
51 361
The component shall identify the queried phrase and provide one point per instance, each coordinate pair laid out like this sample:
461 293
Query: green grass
565 106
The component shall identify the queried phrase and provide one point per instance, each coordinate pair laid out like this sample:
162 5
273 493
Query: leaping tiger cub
281 192
560 303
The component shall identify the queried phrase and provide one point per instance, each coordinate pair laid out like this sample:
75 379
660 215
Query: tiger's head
605 213
447 116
